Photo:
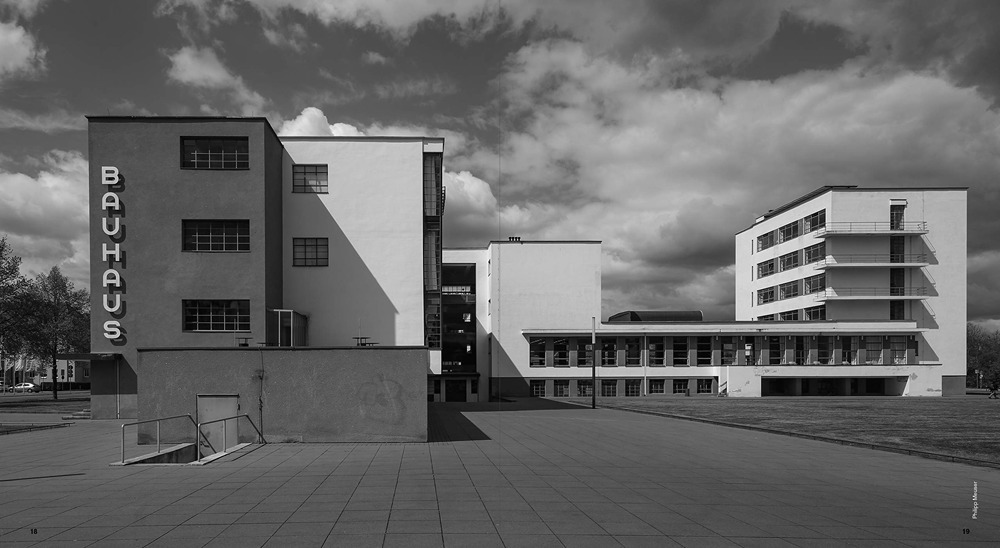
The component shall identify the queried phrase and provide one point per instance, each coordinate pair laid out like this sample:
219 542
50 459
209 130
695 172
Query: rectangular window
848 353
774 351
897 350
815 221
766 318
609 387
310 178
800 351
765 268
788 261
765 295
216 236
585 388
704 386
633 351
765 241
537 389
789 316
897 310
680 386
728 350
704 350
873 350
657 386
896 214
609 351
680 348
633 388
657 352
584 355
815 253
561 388
215 153
788 232
824 349
788 290
814 284
310 252
536 352
816 313
216 315
560 352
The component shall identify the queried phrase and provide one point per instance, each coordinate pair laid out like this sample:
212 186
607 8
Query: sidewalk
530 473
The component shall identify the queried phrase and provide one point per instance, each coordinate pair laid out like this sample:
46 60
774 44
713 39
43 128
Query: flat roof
840 188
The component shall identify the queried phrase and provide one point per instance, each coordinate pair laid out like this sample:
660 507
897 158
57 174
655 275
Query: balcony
893 260
872 228
871 293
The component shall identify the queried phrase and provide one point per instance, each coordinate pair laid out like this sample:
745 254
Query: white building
844 291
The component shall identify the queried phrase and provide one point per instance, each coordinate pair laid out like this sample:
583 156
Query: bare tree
983 354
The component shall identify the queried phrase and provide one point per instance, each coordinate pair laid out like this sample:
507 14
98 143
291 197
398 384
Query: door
218 436
454 391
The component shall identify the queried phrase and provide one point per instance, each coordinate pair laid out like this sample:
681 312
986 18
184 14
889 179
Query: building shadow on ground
446 421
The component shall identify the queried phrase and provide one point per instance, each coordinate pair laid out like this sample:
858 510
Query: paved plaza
528 473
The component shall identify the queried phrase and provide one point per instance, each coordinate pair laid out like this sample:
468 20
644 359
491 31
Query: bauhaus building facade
308 275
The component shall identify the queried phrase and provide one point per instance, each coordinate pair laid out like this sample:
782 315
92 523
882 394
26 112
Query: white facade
373 218
856 251
859 303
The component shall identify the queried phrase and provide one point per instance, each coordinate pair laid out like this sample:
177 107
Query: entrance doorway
454 390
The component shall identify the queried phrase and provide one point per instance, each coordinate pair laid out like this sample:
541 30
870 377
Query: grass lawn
961 426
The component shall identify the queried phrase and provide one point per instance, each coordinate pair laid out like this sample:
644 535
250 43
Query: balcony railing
873 227
862 292
869 259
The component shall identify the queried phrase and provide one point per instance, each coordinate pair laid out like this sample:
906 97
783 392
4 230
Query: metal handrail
913 291
260 435
881 258
873 226
157 421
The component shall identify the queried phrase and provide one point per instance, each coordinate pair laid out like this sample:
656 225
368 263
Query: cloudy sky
661 127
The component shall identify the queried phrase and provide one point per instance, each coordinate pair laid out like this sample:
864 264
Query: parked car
26 387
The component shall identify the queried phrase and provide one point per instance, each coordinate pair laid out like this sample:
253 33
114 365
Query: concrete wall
308 394
373 217
156 196
535 285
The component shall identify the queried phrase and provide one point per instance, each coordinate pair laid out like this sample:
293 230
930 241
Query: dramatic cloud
201 69
419 87
49 122
665 176
20 54
43 217
292 36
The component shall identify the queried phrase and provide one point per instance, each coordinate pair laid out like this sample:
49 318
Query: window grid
537 389
728 351
633 388
816 312
680 386
897 350
765 295
584 357
788 290
765 268
815 253
216 236
814 284
789 316
657 386
657 353
788 261
633 354
873 350
704 386
609 387
703 352
215 153
585 388
609 352
788 232
561 388
765 241
536 350
310 178
815 221
216 315
310 252
560 352
680 348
